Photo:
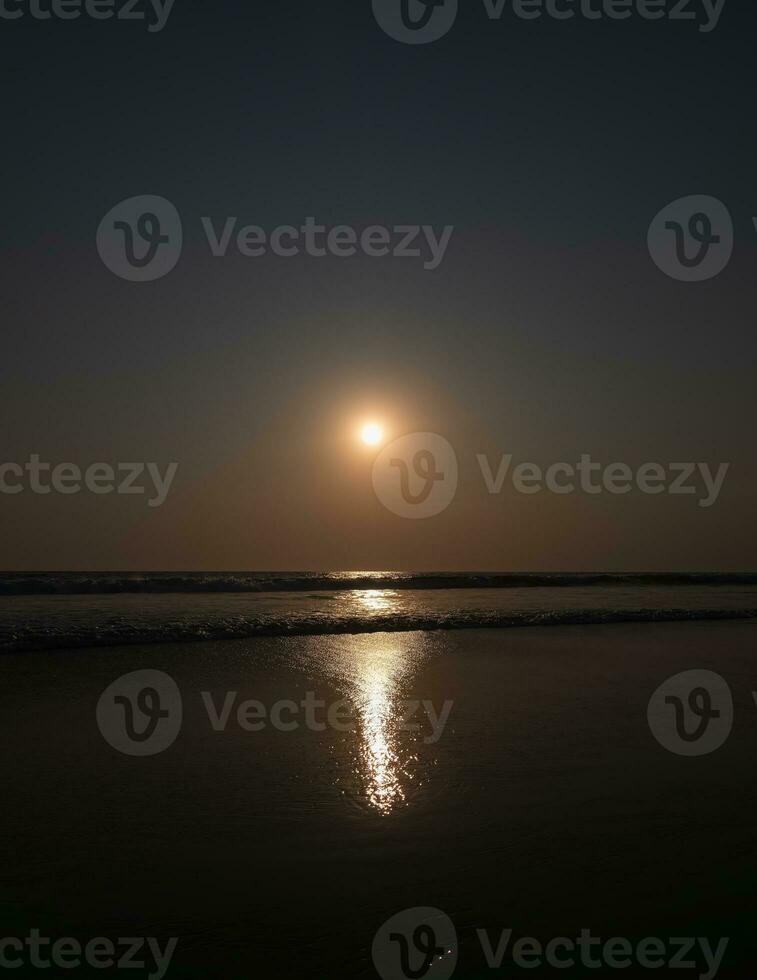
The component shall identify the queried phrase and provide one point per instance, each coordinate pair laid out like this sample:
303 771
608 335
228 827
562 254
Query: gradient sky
547 332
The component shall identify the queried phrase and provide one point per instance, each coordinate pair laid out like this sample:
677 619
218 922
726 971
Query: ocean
58 610
513 781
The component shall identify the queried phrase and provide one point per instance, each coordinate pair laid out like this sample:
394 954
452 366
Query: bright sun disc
371 434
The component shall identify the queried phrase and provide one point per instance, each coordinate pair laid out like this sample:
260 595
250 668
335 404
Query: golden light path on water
380 759
377 707
375 600
374 671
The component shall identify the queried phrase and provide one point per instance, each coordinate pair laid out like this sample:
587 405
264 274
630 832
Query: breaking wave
118 633
157 583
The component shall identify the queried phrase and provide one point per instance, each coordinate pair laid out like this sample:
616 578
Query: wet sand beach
542 803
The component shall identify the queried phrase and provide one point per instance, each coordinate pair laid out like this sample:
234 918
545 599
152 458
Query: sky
546 332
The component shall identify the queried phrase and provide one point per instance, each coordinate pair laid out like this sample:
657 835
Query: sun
372 434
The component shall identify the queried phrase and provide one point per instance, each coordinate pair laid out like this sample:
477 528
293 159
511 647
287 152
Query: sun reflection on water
374 672
378 738
375 600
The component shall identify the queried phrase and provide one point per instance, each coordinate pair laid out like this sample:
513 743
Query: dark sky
547 331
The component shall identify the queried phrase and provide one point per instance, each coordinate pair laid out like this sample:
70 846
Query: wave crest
124 633
156 583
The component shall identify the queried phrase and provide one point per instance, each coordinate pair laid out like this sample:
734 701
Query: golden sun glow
371 434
